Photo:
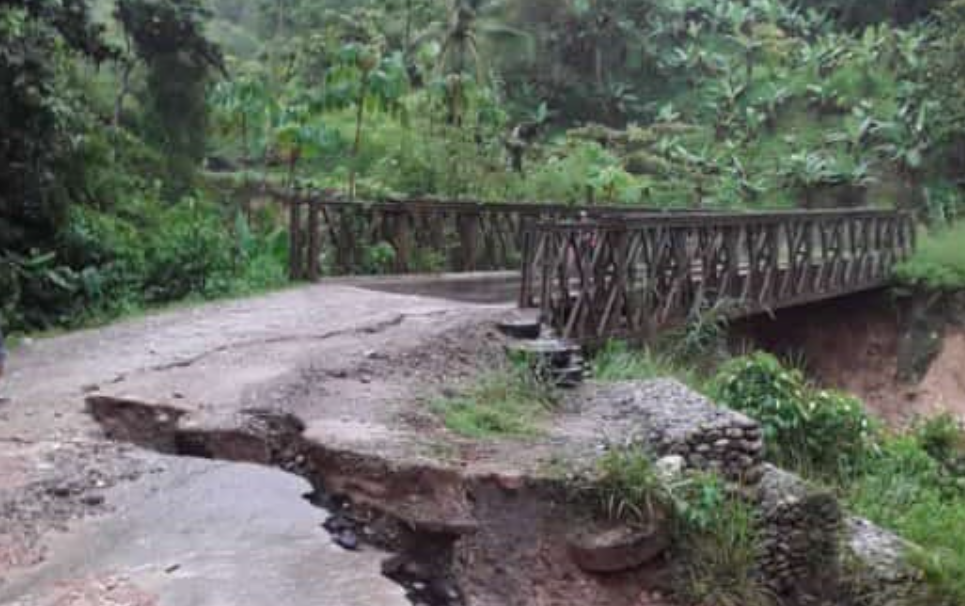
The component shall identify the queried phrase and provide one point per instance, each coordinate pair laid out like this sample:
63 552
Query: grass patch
509 402
617 361
907 489
629 488
939 262
717 532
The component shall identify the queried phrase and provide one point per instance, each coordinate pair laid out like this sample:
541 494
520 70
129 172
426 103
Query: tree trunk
357 145
408 30
598 66
246 160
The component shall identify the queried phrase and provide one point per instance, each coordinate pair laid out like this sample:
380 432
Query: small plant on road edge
629 487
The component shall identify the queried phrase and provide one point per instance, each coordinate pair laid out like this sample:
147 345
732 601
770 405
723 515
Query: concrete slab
203 533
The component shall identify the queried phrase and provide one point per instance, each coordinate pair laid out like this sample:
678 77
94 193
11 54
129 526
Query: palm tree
468 25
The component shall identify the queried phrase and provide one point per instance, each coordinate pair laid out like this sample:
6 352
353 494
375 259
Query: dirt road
86 521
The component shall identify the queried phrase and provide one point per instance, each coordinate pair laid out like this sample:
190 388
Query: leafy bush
943 439
378 259
189 250
580 172
939 262
805 428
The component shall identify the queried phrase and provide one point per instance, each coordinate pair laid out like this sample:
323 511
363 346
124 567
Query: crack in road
373 328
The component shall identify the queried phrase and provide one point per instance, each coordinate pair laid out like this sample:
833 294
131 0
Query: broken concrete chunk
618 548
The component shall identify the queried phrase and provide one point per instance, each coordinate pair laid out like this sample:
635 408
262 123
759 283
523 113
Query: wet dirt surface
484 287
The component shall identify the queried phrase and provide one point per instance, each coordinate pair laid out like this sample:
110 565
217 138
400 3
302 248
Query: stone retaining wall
877 570
809 552
801 528
674 420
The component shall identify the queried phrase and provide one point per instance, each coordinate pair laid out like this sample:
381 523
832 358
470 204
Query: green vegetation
922 498
689 354
505 403
629 488
619 362
939 262
912 483
823 432
101 213
718 532
714 529
121 114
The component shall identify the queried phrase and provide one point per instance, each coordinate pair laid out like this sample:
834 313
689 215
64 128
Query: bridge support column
468 225
294 239
314 242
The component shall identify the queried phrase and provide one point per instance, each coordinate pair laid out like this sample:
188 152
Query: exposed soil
863 344
482 524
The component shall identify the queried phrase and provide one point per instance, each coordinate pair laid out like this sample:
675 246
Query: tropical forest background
128 127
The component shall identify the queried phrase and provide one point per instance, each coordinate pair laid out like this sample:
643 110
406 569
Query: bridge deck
595 280
598 272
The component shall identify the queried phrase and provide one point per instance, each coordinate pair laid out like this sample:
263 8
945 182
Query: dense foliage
118 112
98 213
168 36
913 482
938 264
705 103
821 431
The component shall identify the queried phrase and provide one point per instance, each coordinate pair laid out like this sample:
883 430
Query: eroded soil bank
904 356
474 532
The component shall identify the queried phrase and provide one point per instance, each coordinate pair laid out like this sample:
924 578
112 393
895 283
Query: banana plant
728 93
770 102
240 103
299 135
808 172
908 139
857 132
371 82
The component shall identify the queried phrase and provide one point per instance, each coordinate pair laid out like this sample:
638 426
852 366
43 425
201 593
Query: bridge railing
607 278
422 235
